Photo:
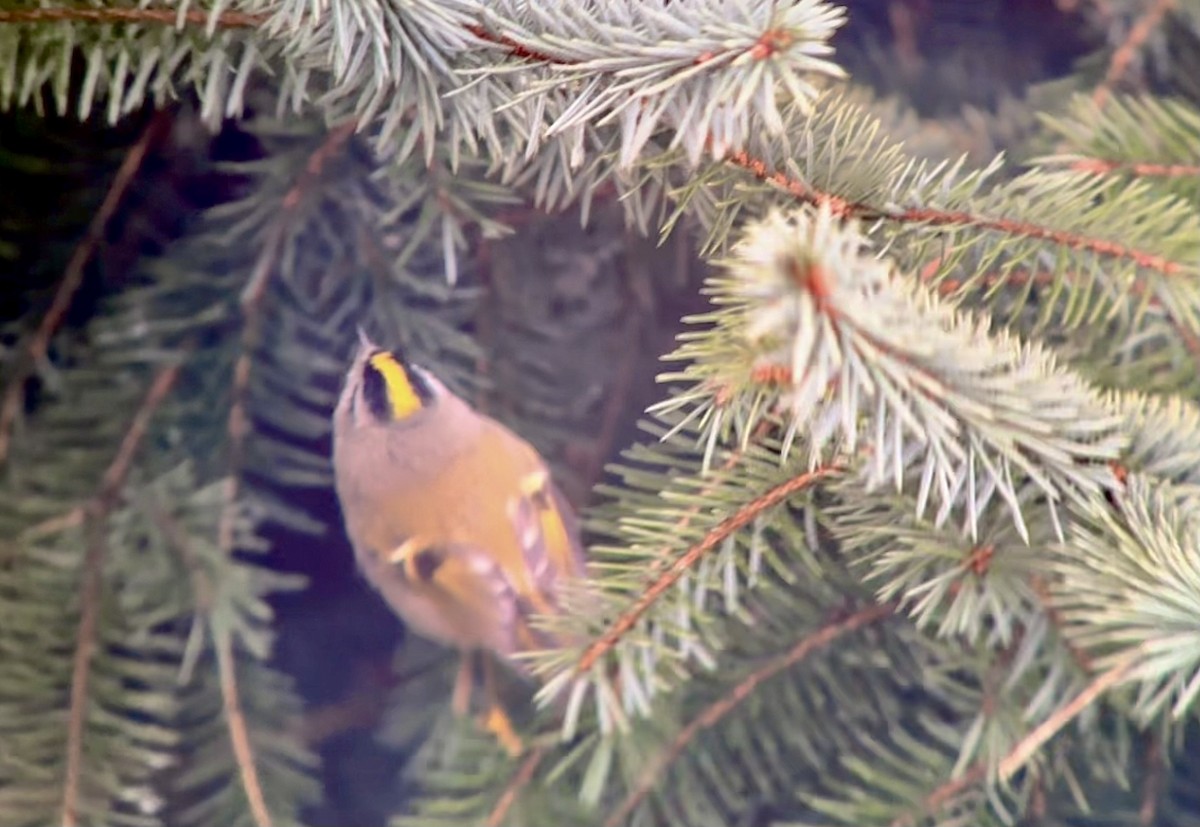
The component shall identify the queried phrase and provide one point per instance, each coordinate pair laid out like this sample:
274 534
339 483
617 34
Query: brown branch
161 17
955 218
765 45
717 710
1036 739
1026 747
72 278
96 513
944 794
1153 783
239 736
239 733
1102 166
238 428
238 424
740 519
514 48
798 189
1123 56
1042 278
1041 590
660 560
520 779
54 525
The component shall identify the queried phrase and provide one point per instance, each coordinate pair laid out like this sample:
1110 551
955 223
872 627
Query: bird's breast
441 494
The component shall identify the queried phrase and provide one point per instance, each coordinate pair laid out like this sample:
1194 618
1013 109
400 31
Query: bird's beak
364 341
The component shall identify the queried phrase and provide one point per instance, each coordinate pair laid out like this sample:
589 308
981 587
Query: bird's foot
497 722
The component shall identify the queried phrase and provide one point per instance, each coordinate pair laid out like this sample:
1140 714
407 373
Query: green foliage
923 482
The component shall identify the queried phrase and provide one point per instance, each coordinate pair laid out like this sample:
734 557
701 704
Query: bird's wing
468 594
548 534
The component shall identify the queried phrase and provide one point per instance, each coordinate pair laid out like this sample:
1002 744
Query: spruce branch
681 525
39 343
1021 280
743 517
973 589
520 779
1155 139
243 748
817 328
709 88
1041 588
1164 436
252 295
1127 584
205 602
943 795
223 19
1100 166
1111 239
717 710
1035 740
687 538
1118 66
955 218
85 639
1153 784
238 428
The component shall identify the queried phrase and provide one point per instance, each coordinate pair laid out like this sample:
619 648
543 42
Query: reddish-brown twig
72 278
1026 747
159 17
1123 56
96 513
520 779
714 712
735 522
238 429
1101 166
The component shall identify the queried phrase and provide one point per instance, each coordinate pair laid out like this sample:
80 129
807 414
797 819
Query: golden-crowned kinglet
453 517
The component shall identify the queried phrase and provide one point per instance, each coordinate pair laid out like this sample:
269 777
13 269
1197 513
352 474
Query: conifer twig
714 712
96 513
957 218
1152 784
1050 727
1102 166
168 17
239 733
1041 590
738 520
685 520
238 428
1027 746
72 278
1123 56
253 294
235 720
520 779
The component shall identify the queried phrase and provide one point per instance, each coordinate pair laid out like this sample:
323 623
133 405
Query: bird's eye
375 392
421 385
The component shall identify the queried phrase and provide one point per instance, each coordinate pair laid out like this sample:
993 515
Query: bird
453 518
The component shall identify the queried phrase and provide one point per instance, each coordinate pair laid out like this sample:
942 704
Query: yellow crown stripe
401 394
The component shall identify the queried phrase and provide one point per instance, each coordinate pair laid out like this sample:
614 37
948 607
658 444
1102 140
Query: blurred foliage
246 255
